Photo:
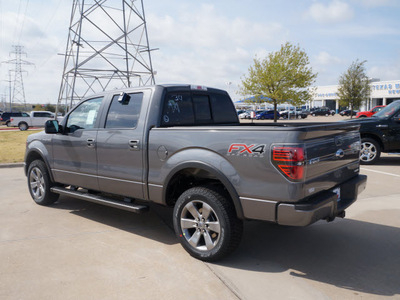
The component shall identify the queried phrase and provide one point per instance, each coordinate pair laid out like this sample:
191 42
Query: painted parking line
380 172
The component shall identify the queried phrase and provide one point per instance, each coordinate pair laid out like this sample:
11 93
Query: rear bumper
322 206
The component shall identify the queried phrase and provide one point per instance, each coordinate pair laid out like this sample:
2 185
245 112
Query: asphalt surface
80 250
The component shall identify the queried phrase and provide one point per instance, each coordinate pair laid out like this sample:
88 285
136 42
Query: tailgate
331 153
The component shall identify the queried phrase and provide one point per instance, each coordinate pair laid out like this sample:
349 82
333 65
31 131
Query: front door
74 151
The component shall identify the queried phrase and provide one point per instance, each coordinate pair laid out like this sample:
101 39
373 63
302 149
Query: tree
282 76
354 86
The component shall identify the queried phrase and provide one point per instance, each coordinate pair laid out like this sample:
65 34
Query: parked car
323 111
245 115
293 114
267 114
6 116
369 113
192 154
380 133
347 112
34 119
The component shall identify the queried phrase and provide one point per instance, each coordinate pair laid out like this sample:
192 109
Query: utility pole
18 94
107 48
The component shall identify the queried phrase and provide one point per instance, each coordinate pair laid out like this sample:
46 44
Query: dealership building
382 93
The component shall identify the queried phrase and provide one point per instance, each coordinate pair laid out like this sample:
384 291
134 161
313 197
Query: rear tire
206 224
39 184
23 126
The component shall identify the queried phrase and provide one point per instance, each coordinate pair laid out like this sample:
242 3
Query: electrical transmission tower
18 93
107 48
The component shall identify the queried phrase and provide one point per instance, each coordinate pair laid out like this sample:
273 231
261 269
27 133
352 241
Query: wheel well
370 136
192 177
30 158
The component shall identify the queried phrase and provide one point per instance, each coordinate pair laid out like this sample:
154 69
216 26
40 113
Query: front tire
370 151
39 183
206 224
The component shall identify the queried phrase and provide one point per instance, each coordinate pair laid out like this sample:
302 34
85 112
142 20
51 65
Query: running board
132 207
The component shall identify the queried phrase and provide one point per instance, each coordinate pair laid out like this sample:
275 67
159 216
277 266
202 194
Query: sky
213 43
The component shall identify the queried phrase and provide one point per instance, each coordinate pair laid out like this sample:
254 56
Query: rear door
74 152
121 146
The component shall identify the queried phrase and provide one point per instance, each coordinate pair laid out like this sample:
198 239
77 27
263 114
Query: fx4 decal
252 150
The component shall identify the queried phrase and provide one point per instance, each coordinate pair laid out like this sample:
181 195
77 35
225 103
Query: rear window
185 108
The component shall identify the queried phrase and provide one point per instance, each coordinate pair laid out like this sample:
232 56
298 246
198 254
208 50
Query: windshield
388 111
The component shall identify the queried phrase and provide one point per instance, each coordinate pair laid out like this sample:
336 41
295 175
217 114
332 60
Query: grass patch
12 145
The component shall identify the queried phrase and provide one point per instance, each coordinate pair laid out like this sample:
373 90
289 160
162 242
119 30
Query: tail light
289 161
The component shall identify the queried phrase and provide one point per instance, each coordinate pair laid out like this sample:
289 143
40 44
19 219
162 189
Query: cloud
385 72
334 12
375 3
205 47
324 58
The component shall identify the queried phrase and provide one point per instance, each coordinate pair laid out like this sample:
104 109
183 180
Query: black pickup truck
380 133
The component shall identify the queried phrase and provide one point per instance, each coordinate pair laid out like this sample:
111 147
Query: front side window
84 116
124 114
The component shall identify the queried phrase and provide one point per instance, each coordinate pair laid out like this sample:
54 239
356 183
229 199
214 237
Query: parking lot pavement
79 250
352 258
82 250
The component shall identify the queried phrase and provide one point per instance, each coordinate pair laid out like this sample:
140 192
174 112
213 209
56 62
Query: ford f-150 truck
380 133
35 119
183 146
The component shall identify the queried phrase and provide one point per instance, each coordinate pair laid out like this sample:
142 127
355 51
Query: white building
382 93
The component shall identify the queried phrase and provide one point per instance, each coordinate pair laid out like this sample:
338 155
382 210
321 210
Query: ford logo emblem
339 153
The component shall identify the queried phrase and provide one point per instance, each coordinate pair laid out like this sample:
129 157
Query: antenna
107 48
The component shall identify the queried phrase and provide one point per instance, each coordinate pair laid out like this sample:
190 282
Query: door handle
91 143
134 145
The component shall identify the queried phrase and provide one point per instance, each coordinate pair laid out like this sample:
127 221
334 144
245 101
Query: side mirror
51 126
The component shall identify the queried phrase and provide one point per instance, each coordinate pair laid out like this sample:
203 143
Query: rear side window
124 114
177 110
42 115
197 108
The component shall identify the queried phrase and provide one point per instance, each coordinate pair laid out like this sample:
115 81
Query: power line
18 93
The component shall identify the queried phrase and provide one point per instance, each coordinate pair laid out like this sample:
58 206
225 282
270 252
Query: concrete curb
11 165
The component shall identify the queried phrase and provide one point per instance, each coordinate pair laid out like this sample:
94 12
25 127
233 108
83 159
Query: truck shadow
392 160
348 254
155 224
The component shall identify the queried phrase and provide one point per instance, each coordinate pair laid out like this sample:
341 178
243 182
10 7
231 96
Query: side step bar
132 207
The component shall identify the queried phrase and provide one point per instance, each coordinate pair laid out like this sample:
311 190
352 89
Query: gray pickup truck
183 146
